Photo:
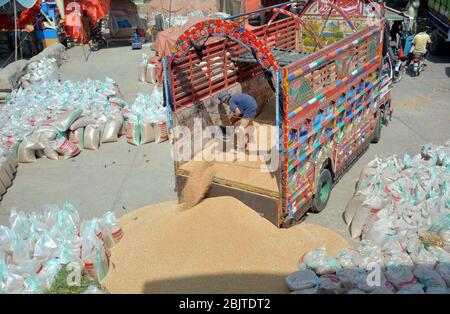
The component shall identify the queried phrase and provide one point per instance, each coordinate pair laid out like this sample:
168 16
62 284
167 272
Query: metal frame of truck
346 76
441 32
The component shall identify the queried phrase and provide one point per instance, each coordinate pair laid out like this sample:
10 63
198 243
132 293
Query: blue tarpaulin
21 4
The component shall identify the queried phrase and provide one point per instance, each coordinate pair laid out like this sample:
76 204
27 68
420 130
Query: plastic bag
161 132
350 210
93 252
300 280
21 252
350 277
423 257
82 122
147 133
411 289
429 277
440 254
330 284
45 248
444 272
48 273
66 148
20 224
92 137
14 283
445 236
111 230
66 119
400 276
370 253
380 226
50 153
26 154
26 268
150 75
133 132
112 129
318 261
358 221
348 258
77 137
6 239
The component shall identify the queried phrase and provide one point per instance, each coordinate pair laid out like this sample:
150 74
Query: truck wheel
323 192
386 114
436 44
377 133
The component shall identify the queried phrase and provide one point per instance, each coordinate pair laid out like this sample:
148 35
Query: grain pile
220 245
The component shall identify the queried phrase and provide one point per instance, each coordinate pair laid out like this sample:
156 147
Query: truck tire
323 192
436 44
386 114
377 133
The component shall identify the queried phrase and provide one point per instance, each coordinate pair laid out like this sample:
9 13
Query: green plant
60 285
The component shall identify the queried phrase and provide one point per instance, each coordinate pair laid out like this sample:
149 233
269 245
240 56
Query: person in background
420 42
244 108
87 26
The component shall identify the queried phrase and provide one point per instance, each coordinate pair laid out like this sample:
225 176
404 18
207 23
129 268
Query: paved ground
123 177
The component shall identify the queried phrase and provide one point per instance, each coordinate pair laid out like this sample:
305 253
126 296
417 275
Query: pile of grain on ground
220 245
197 185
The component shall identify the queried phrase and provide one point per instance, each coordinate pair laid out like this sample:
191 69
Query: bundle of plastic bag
60 104
429 277
36 247
40 71
93 251
401 276
349 258
300 280
319 262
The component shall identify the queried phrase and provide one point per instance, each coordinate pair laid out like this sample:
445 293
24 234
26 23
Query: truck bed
243 173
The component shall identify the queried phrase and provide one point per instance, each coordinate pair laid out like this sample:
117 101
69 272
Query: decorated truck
438 15
318 108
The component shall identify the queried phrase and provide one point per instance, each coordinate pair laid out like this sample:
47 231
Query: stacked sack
146 70
8 169
58 120
40 71
406 198
401 213
36 246
146 119
372 269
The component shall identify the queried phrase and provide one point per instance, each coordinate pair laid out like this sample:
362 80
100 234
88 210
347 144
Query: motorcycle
96 36
417 63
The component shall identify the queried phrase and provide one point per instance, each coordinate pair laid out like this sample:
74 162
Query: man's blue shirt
246 104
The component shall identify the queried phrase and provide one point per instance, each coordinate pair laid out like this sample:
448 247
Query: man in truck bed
244 109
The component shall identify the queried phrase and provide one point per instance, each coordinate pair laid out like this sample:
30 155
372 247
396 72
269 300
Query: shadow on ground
221 283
